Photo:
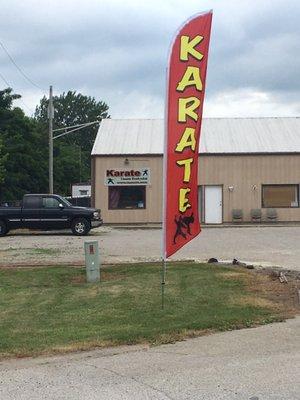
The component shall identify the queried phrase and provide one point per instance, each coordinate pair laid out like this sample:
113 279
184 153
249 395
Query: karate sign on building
118 176
186 87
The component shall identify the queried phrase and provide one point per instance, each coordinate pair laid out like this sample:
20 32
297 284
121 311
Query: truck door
31 210
52 215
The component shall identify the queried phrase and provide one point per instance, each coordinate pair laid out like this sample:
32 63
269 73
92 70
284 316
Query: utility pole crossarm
75 129
75 126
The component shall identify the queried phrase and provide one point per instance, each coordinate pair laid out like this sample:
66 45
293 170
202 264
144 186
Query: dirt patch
284 296
268 291
234 275
254 301
105 276
78 280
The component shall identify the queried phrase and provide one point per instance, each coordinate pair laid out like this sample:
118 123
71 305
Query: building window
280 196
126 197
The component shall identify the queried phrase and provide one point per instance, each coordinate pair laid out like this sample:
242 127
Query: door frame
203 198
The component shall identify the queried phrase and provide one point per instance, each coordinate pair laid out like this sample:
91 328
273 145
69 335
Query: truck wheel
3 228
81 227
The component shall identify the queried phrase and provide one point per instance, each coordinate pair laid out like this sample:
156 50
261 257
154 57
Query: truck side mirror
61 206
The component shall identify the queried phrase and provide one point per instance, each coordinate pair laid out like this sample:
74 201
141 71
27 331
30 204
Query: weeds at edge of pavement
52 310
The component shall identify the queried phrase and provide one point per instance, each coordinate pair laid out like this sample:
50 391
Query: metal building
249 170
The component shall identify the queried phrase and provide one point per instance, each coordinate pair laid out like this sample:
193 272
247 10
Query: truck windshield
66 202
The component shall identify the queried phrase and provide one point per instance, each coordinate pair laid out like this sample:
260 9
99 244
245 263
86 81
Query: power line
76 126
9 85
19 69
4 80
75 129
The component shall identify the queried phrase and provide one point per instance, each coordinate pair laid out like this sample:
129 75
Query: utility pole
65 131
50 116
79 163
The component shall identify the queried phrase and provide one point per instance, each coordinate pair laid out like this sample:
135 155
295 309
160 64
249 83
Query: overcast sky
117 51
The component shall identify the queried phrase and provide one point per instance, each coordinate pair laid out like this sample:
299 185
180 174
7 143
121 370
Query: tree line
24 144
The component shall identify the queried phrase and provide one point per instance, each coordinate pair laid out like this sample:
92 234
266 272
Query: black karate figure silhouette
178 232
183 223
145 172
110 181
188 221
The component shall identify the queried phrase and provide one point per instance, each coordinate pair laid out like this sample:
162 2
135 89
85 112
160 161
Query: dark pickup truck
49 212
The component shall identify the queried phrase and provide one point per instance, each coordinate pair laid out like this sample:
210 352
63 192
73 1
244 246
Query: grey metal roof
219 136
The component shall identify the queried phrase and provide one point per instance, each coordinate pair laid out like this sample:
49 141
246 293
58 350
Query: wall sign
117 177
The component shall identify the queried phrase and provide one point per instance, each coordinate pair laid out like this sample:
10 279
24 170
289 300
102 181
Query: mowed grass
48 310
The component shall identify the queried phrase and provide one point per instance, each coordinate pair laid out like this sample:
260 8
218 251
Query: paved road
261 363
277 246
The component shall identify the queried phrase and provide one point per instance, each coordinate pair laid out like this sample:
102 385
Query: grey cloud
264 54
121 47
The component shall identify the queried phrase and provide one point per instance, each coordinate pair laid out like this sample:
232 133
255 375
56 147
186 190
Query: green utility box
92 261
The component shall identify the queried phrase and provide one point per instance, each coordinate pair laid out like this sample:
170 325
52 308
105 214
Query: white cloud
248 103
136 105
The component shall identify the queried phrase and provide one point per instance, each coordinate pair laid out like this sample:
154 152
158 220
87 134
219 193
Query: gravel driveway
275 246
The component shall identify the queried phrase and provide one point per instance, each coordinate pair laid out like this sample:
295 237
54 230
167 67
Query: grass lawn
47 310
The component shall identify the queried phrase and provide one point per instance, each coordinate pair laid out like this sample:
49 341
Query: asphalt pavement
258 364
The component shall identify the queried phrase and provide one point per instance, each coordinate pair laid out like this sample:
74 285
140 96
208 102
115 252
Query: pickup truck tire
3 228
80 226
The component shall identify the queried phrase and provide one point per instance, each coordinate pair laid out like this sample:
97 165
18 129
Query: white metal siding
219 136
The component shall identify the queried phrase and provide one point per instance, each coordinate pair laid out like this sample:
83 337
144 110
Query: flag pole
164 205
164 258
163 283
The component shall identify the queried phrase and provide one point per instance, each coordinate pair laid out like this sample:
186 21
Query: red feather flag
185 96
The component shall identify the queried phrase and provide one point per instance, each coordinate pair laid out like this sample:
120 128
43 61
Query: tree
3 158
24 147
72 152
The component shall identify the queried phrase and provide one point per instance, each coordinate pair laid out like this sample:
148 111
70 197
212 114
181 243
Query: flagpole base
163 283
